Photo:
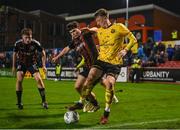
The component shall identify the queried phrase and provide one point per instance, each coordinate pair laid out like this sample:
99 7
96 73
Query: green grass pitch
143 105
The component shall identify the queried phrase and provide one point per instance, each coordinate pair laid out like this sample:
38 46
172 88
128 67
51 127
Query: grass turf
143 105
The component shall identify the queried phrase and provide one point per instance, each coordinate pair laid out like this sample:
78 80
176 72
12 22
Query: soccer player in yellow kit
111 38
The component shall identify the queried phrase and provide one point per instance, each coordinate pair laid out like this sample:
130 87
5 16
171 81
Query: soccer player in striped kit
26 56
83 44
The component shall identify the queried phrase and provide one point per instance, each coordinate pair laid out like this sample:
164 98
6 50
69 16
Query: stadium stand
170 64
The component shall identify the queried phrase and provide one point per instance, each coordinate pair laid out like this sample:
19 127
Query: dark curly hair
72 25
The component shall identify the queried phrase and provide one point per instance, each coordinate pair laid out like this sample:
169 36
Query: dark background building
47 28
146 21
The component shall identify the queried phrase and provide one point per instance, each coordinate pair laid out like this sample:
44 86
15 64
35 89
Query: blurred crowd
155 53
150 54
6 59
69 60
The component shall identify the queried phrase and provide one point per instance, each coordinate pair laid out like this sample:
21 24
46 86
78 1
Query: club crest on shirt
112 30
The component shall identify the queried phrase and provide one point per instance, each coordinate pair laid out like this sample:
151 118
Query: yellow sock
81 99
108 97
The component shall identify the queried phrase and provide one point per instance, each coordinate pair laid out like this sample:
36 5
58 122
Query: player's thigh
94 74
111 79
20 76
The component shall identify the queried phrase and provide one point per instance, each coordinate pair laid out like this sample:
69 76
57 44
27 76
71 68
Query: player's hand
122 53
44 69
54 59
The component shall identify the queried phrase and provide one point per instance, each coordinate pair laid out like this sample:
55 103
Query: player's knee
19 81
78 87
37 78
110 86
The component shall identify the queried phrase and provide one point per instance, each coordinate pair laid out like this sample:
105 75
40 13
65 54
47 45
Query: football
55 80
71 117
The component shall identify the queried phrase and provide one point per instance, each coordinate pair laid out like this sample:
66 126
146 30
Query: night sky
76 7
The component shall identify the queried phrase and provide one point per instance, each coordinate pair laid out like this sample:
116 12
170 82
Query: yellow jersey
111 42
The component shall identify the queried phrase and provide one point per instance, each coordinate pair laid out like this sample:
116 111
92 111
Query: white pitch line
133 123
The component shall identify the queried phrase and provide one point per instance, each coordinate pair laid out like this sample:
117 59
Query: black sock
106 114
92 99
42 93
94 102
19 95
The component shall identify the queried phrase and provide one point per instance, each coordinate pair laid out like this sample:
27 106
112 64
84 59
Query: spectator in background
161 57
177 52
136 69
174 35
58 71
141 53
170 52
161 47
148 47
152 60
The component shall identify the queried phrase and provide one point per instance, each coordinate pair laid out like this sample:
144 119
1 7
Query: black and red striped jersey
86 47
27 54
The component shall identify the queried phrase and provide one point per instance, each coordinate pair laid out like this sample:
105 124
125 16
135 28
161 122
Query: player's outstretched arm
62 53
86 29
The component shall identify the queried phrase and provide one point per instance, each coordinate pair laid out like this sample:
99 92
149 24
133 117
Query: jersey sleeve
123 30
39 47
132 41
15 49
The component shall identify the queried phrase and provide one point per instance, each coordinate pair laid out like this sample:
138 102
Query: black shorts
84 71
32 69
107 68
